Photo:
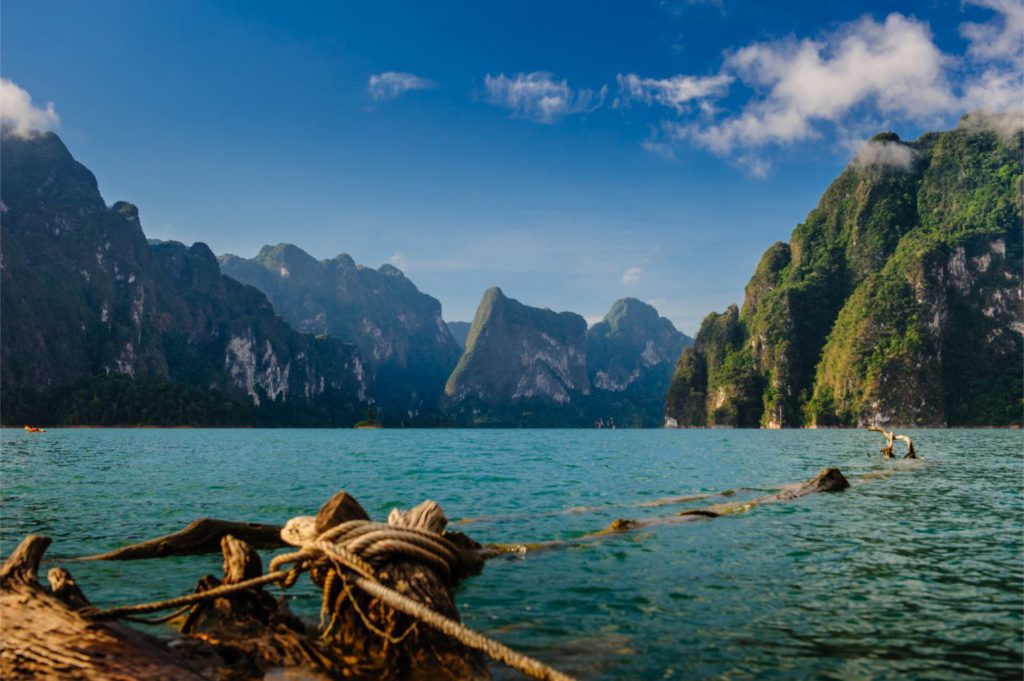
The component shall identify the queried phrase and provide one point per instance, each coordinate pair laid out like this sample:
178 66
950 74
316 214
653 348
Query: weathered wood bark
200 536
405 650
827 480
65 589
43 638
338 509
892 437
252 628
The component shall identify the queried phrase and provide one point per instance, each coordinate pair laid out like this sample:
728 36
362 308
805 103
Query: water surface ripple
916 571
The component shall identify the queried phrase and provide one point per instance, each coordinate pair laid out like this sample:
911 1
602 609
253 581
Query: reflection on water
916 570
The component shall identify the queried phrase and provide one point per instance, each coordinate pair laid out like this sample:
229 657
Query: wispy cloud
678 92
539 97
632 275
398 260
882 154
18 112
392 84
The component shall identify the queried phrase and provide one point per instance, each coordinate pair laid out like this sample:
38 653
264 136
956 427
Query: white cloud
884 154
995 90
539 97
17 111
755 165
678 92
392 84
997 48
632 275
399 261
893 65
845 84
1006 124
999 39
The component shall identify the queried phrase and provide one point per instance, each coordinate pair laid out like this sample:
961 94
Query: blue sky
571 153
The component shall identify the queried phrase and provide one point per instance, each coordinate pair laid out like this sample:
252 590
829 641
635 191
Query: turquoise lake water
916 571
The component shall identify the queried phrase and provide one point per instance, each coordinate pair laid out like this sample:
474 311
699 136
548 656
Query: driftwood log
44 637
198 537
890 438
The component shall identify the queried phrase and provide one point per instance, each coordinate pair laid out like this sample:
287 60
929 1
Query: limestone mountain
525 366
633 347
97 322
521 365
406 345
630 357
899 300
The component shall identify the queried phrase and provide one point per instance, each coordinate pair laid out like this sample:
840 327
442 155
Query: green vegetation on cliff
898 300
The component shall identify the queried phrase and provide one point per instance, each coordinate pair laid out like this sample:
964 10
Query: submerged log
198 537
890 438
827 480
44 638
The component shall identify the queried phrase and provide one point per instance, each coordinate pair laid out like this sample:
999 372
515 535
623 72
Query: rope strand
353 547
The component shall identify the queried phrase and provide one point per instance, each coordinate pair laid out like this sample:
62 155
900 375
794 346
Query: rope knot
359 545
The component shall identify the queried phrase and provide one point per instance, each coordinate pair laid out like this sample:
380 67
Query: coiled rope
351 549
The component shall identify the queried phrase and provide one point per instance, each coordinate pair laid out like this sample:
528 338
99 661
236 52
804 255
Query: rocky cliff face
406 345
898 301
630 356
527 366
85 295
518 357
633 348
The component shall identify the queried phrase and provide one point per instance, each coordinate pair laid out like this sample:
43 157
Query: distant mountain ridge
633 346
406 345
529 366
460 332
898 301
86 298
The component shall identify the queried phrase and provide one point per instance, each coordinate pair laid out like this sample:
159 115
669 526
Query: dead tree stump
390 644
890 438
251 628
